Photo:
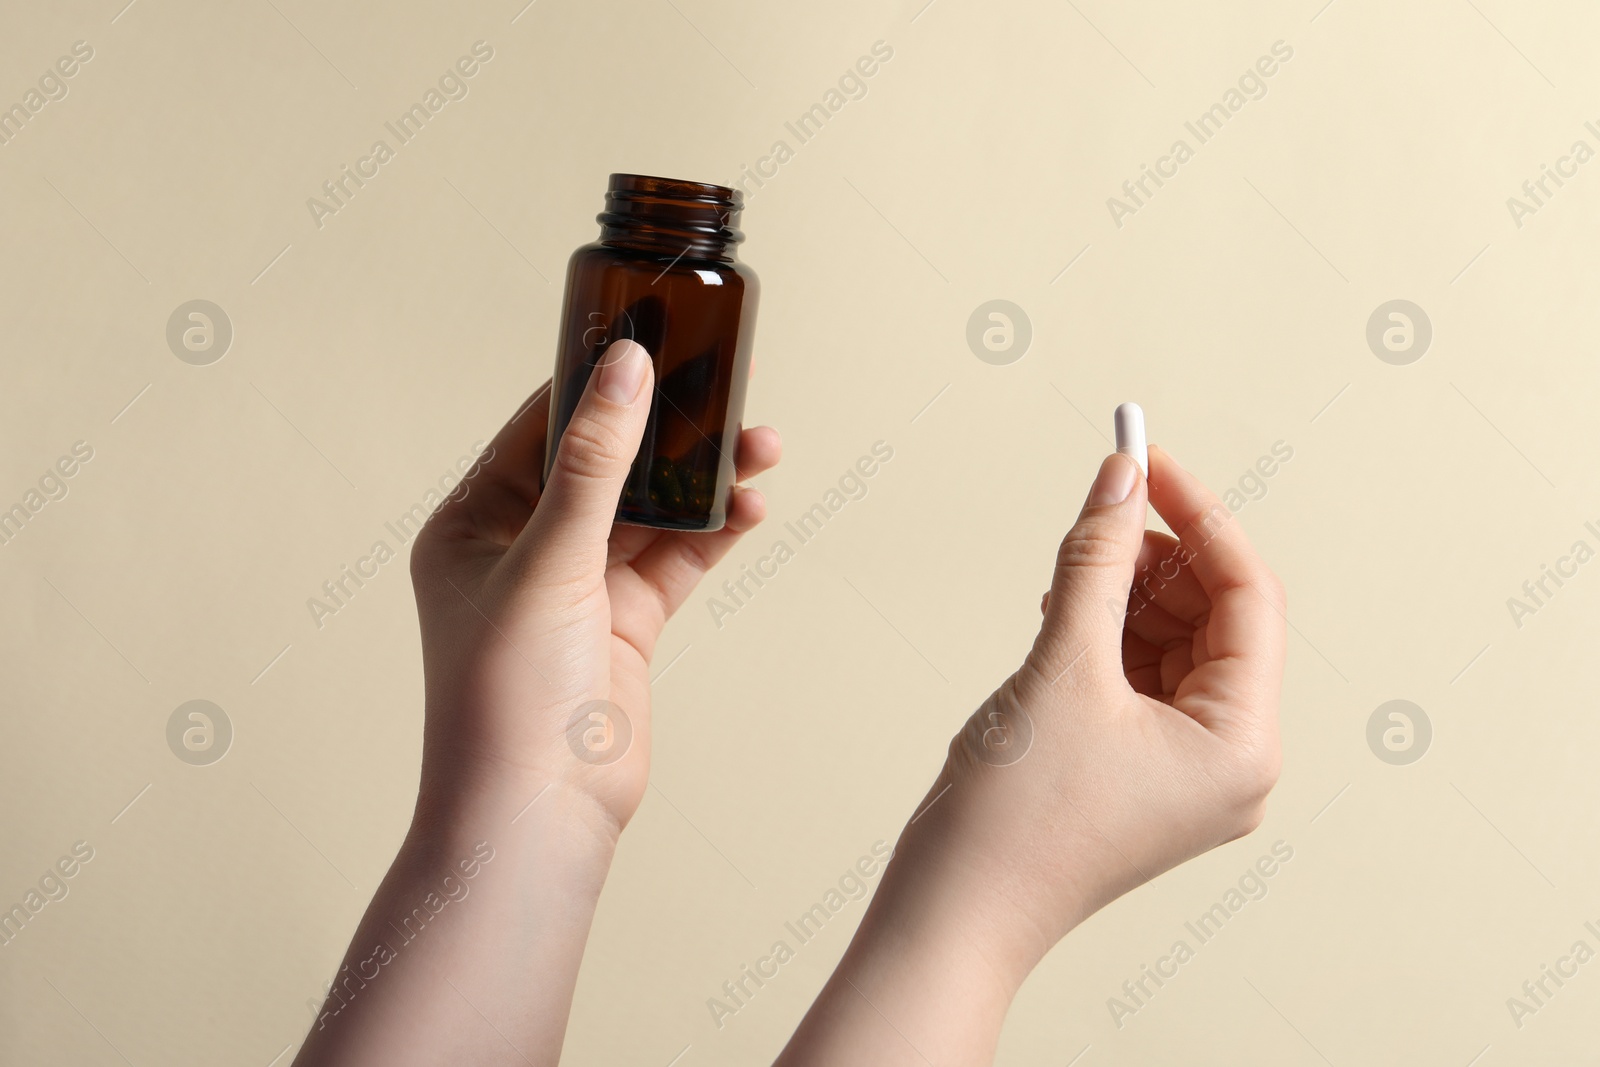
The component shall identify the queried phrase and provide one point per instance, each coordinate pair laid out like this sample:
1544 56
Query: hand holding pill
1127 742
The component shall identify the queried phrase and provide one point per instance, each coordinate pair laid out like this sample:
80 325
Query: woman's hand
535 609
538 622
1140 731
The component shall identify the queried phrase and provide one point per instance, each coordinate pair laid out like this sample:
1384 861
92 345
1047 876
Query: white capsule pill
1129 420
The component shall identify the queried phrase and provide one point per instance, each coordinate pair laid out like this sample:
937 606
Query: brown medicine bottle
664 274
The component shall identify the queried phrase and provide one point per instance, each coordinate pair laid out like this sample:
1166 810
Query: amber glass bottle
664 274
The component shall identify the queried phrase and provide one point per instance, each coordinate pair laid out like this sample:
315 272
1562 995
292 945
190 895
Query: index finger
503 485
516 455
1220 554
1247 624
1246 630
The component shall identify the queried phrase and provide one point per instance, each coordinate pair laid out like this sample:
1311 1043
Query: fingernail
1114 482
622 371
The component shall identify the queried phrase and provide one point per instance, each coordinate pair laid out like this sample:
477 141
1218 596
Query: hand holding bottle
533 606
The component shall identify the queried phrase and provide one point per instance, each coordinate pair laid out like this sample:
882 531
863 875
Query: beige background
371 353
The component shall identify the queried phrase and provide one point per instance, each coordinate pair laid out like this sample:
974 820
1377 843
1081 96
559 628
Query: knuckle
1265 772
1244 789
422 563
1251 819
698 556
590 448
1254 780
958 753
418 564
1091 543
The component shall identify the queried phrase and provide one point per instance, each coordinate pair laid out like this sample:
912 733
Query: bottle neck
674 218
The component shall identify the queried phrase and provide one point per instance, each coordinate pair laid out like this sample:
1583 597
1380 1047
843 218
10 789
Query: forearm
470 949
932 968
902 995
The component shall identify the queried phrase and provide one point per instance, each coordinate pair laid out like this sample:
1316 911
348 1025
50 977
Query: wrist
551 824
461 788
969 869
491 893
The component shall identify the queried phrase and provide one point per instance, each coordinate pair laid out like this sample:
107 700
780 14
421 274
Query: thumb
1083 619
571 525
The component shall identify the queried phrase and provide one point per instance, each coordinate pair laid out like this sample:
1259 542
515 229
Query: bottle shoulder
600 256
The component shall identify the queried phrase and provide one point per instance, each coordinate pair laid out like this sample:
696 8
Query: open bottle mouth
674 215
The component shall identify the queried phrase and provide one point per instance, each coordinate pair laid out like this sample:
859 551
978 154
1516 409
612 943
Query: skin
1140 731
531 605
1152 694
